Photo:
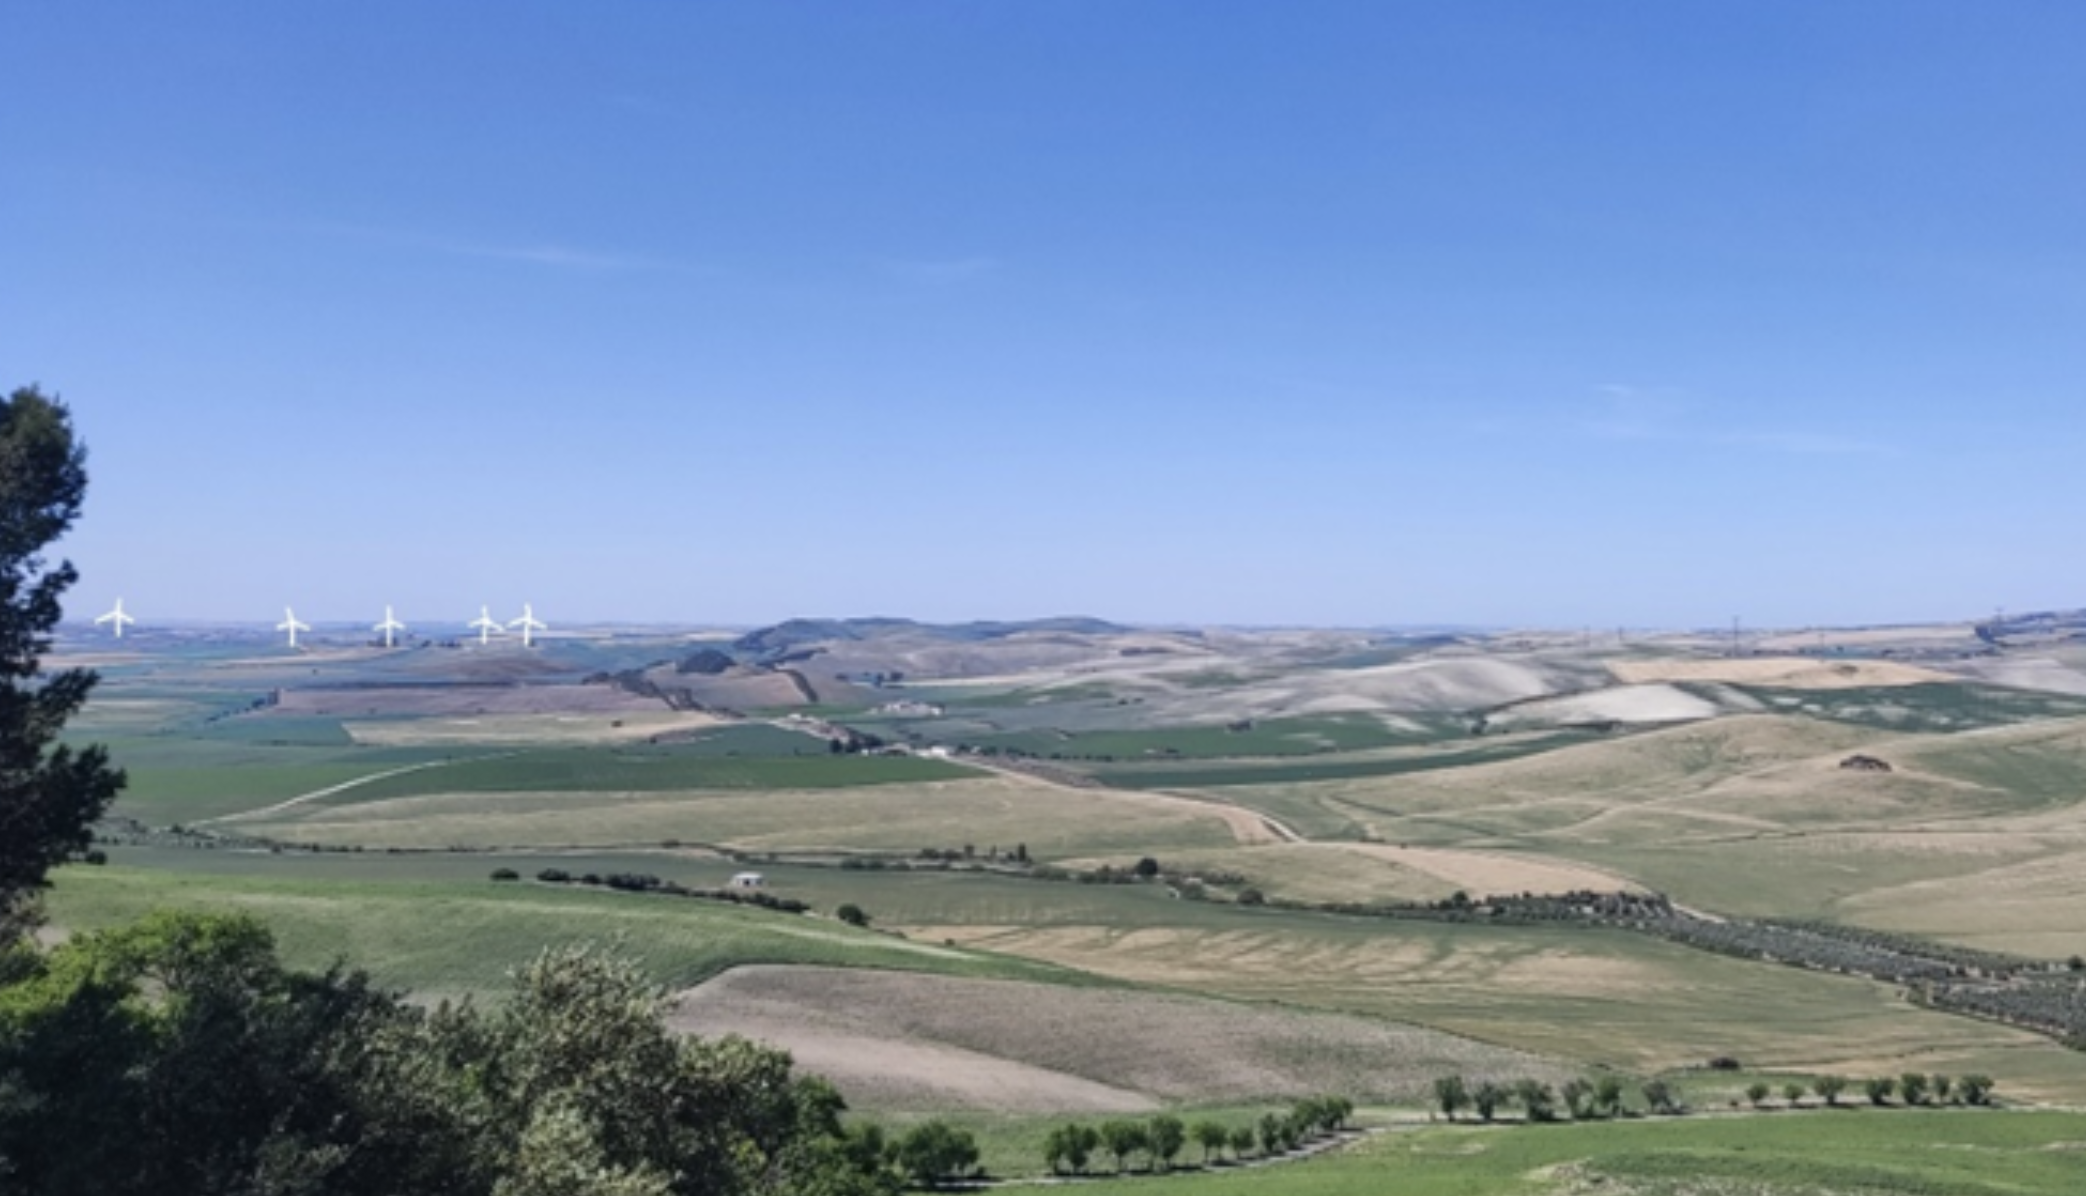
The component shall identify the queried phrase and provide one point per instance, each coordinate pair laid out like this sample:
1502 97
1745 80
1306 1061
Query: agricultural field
1852 1152
1161 839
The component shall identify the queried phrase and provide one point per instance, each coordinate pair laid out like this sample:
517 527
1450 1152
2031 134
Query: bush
506 874
852 914
554 876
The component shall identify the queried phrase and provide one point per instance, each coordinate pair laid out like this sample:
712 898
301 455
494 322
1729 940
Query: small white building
748 880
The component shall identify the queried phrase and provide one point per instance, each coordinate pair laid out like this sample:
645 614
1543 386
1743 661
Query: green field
455 937
1846 1153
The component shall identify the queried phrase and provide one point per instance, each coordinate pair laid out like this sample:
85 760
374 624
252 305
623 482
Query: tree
933 1151
1943 1088
852 914
1242 1138
1123 1139
1793 1092
1577 1095
1486 1099
1146 868
1829 1087
1659 1097
49 796
1607 1096
177 1055
1451 1095
1165 1135
1069 1147
1536 1100
1211 1136
1274 1135
1912 1087
1756 1092
1976 1089
1878 1089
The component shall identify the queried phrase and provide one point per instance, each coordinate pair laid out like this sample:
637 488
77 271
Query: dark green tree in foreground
178 1056
49 796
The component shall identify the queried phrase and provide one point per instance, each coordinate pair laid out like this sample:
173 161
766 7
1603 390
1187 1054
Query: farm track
344 786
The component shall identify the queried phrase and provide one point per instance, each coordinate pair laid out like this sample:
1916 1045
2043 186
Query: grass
456 937
664 767
1854 1153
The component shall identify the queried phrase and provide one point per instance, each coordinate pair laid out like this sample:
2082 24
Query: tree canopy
50 795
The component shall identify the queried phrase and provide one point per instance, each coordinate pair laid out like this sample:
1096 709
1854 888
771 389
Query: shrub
506 874
852 914
554 876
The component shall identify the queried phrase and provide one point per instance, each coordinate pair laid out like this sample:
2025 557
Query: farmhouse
748 880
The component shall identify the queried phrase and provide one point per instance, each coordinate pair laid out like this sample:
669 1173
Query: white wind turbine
290 624
116 617
389 625
485 625
528 625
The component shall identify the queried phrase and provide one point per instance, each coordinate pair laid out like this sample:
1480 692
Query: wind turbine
290 624
528 625
116 617
389 625
485 625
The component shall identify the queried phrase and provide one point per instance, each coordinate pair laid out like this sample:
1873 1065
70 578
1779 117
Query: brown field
460 701
1602 999
1051 820
895 1041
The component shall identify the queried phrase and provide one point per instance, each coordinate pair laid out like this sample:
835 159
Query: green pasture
182 779
653 768
1850 1152
456 937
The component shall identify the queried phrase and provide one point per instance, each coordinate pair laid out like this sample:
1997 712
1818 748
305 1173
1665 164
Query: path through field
344 786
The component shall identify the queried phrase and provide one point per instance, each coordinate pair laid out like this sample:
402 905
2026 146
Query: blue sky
1597 313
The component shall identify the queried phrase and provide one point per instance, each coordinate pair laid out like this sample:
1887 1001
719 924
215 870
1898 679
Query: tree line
1070 1149
1603 1097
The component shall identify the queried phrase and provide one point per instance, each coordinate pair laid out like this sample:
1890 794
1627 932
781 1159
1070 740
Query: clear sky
1570 314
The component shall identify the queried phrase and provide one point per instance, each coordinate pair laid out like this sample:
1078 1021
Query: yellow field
986 811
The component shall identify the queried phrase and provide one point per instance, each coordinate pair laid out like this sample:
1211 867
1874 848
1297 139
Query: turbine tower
528 625
290 624
389 625
485 625
116 617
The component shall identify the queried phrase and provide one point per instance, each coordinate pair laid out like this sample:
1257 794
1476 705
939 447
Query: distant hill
795 633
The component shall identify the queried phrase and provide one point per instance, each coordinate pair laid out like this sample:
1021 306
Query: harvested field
459 701
1622 704
1482 873
1597 996
896 1041
1780 672
1049 819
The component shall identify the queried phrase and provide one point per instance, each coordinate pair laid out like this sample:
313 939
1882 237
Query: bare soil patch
894 1040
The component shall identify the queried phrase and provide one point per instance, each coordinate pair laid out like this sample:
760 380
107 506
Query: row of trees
1070 1149
1591 1098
